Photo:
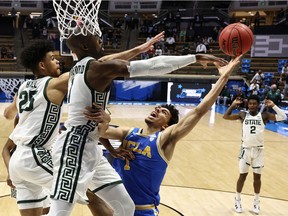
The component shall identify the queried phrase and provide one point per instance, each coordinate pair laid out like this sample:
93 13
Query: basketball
236 39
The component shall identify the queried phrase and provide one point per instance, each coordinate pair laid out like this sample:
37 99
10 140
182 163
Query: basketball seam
235 26
241 47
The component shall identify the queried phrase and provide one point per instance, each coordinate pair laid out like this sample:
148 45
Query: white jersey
253 131
81 96
38 117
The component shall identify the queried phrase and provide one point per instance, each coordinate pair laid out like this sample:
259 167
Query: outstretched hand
228 69
205 59
149 44
237 101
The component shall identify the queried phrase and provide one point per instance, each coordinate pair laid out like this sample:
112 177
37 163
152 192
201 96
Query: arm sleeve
159 65
280 114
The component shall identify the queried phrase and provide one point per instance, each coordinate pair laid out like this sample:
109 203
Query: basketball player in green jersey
38 103
252 146
49 89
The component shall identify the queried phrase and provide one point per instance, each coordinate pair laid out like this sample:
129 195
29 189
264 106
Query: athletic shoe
238 207
256 206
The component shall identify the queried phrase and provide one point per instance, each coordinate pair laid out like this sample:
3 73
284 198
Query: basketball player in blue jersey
78 162
153 146
252 147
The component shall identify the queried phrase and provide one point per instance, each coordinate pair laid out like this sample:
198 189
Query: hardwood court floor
202 175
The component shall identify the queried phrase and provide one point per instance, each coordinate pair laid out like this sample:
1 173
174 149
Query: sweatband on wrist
159 65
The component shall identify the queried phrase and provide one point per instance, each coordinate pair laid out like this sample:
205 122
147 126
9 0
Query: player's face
51 65
96 46
253 106
159 118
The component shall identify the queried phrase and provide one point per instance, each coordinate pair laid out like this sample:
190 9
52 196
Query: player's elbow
200 112
8 114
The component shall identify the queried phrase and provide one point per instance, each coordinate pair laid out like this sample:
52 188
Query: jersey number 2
252 129
26 100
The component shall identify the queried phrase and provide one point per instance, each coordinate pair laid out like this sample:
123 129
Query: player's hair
254 97
174 113
36 52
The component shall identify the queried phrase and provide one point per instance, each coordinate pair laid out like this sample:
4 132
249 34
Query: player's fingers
217 65
93 109
221 61
131 155
237 58
204 64
97 106
159 36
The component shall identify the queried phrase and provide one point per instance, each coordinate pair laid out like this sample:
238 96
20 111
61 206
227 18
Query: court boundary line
222 191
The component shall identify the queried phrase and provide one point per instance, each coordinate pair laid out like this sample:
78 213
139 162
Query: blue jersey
142 176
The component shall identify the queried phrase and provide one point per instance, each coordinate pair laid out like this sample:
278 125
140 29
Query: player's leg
244 164
257 165
243 170
24 172
256 182
63 190
97 206
31 212
30 199
60 208
118 198
107 184
257 187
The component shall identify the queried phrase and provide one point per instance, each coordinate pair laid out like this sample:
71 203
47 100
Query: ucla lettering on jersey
150 175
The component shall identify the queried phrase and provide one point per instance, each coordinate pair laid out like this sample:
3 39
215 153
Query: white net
10 86
77 17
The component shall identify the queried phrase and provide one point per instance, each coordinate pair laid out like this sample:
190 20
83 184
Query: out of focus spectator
3 52
284 76
36 32
14 16
224 96
158 51
182 35
198 19
257 19
50 23
190 33
259 77
201 48
274 94
254 88
170 42
44 33
186 49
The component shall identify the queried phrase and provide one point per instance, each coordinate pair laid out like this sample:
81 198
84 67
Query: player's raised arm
129 54
279 116
173 134
228 114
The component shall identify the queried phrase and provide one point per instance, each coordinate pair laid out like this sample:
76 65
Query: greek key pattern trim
50 122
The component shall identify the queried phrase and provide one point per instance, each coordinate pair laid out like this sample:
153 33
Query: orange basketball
236 39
